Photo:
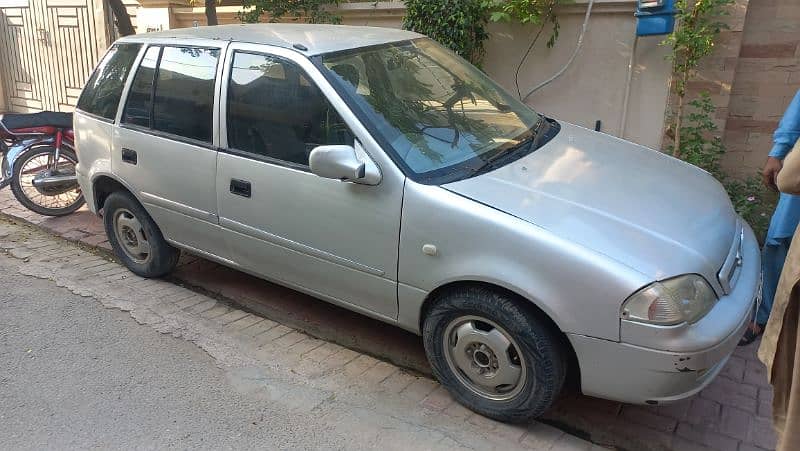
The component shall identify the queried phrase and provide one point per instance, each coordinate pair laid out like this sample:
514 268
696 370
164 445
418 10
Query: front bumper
690 356
632 374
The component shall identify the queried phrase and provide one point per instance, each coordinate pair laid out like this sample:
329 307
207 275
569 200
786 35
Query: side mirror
343 163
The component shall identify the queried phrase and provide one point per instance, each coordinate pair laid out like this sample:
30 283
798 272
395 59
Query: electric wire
572 58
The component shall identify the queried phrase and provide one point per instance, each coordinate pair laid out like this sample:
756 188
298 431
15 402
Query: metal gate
48 50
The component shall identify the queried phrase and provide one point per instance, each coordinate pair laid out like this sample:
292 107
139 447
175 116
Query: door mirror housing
337 162
343 163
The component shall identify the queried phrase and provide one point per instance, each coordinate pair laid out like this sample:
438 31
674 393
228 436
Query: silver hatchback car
374 169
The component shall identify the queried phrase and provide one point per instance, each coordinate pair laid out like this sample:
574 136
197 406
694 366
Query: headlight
682 299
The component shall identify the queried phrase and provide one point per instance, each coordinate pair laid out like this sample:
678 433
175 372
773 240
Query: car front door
165 147
337 240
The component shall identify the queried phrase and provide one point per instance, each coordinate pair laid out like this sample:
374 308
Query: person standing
780 347
784 220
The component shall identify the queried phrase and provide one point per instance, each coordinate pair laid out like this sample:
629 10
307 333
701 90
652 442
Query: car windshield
438 114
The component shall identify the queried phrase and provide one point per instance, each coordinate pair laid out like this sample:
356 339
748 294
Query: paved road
76 375
114 361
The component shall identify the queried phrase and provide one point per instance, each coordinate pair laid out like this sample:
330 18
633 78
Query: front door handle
240 188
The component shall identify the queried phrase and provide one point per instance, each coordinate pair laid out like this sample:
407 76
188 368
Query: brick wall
767 76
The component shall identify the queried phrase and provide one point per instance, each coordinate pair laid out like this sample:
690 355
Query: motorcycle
38 161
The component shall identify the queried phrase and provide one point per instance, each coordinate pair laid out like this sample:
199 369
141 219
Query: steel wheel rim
485 358
39 163
131 236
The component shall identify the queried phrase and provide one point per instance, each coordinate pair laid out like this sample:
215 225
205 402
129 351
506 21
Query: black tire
161 258
540 354
22 197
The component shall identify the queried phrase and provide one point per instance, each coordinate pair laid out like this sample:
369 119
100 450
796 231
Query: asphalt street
76 375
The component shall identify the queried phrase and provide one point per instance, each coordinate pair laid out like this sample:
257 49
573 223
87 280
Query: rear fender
4 181
12 155
13 152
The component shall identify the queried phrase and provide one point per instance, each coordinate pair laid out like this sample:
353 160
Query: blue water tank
655 17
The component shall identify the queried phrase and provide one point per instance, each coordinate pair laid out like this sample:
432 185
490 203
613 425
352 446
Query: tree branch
122 19
211 12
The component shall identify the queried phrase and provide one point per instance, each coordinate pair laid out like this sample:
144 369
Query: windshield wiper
525 144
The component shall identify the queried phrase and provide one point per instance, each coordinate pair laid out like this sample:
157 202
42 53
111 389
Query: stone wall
594 87
767 77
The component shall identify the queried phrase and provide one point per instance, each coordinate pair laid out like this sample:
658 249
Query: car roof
315 38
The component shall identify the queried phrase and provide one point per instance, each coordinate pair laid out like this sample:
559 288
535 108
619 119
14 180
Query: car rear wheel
135 237
495 356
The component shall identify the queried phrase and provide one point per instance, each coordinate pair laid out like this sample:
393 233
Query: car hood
654 213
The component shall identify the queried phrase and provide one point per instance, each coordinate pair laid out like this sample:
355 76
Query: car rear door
337 240
165 146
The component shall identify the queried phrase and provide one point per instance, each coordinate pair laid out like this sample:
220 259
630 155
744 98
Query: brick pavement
732 414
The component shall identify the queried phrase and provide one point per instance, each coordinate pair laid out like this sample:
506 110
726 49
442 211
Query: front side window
103 91
275 111
440 116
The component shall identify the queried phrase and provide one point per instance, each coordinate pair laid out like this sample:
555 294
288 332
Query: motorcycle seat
13 121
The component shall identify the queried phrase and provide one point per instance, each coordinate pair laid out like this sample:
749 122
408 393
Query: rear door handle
240 188
129 156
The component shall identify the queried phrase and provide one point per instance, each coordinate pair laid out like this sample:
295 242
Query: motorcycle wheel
35 161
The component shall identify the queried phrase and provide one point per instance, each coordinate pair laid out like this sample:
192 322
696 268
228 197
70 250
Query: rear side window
173 92
103 91
184 95
139 106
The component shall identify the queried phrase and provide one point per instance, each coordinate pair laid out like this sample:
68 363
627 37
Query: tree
211 12
310 11
457 24
699 23
122 19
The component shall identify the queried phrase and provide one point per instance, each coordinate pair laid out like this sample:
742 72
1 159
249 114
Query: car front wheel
495 356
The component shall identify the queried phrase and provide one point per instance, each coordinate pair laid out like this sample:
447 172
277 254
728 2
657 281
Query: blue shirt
788 130
787 213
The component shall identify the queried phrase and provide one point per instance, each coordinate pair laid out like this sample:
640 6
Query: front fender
579 289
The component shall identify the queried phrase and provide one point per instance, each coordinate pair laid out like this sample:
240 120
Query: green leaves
699 23
457 24
533 12
498 16
701 144
310 11
461 24
753 202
